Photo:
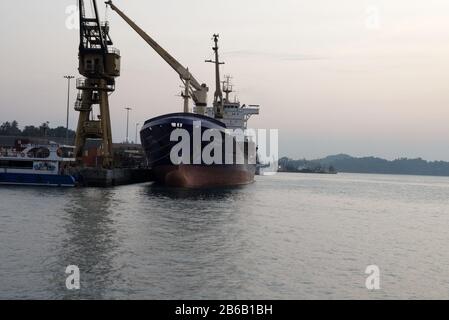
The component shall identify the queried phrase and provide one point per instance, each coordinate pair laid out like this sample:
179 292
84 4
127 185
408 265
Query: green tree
31 131
5 128
10 129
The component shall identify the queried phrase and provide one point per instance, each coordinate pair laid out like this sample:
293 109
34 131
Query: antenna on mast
218 98
227 87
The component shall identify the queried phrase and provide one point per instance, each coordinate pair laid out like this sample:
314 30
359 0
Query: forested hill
346 163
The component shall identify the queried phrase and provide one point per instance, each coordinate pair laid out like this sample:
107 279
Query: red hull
200 176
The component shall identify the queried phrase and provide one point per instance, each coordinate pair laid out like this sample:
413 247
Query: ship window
40 153
65 152
11 164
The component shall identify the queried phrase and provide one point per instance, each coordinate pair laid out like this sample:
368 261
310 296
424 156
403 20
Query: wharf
99 177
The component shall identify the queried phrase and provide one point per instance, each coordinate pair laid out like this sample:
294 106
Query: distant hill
346 163
330 159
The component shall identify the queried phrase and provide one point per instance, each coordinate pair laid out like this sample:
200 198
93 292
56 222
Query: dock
99 177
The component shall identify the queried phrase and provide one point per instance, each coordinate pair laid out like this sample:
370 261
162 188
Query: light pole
68 104
137 125
127 122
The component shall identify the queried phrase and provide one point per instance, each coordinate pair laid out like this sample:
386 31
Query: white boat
37 165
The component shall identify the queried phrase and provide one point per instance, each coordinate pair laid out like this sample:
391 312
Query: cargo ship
226 171
233 150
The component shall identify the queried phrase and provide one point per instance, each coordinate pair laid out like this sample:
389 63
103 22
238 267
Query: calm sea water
290 236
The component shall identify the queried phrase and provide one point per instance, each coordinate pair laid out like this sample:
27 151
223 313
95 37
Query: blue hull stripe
37 179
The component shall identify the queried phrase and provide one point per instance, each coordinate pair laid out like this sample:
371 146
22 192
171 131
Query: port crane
99 64
193 88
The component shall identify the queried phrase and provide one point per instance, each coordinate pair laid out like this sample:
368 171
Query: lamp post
68 104
127 122
137 125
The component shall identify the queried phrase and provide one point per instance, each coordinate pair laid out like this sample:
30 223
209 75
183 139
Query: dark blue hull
37 179
155 137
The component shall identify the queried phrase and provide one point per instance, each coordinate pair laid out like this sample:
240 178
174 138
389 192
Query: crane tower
99 64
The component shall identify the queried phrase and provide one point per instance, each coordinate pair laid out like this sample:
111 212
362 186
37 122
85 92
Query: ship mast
218 97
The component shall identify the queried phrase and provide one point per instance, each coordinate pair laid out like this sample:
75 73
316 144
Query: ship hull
29 179
202 176
155 137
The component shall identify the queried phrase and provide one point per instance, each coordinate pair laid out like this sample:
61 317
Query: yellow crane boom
199 90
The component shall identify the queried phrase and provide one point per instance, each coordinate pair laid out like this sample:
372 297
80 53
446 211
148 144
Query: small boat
37 165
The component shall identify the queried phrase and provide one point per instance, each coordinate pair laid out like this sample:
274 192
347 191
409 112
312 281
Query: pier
99 177
130 166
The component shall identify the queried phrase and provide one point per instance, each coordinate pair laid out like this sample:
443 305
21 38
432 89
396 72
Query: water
291 236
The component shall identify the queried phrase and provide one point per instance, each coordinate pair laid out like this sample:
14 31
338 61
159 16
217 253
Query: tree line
44 130
345 163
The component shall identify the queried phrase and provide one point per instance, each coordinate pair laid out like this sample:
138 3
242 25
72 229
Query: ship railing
12 154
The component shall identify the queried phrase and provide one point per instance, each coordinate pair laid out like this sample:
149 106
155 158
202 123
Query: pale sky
350 76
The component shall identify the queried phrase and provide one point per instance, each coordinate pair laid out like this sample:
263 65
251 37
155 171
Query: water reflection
90 242
202 235
155 190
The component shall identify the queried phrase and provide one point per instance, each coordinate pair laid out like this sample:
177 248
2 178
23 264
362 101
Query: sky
366 78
